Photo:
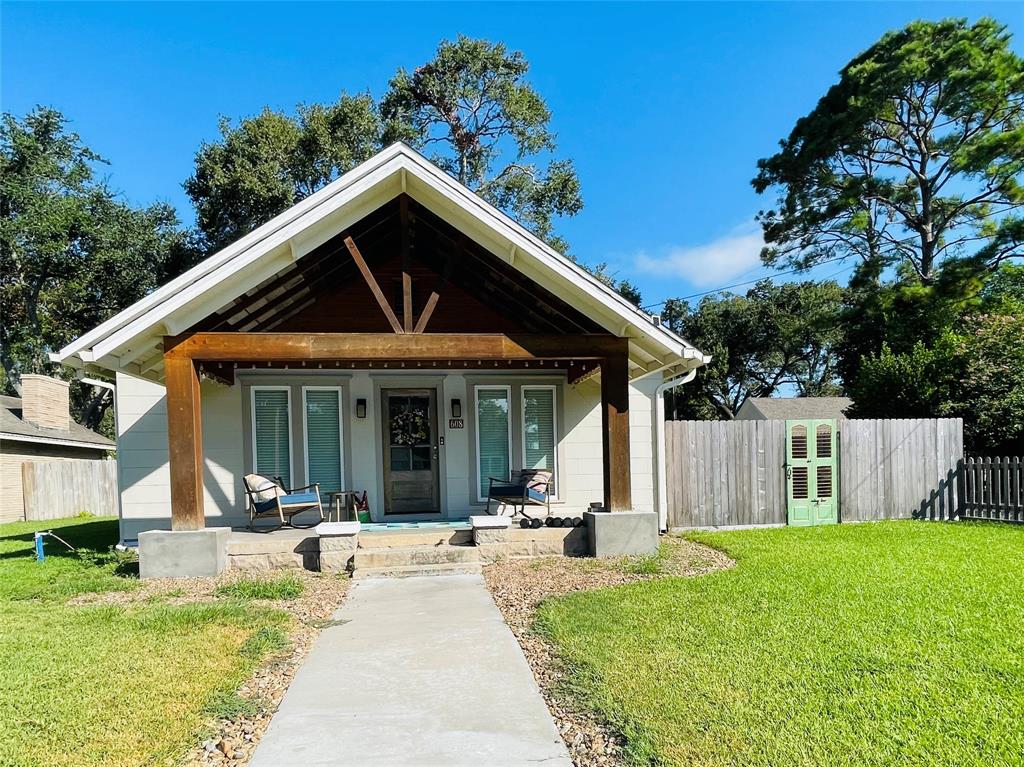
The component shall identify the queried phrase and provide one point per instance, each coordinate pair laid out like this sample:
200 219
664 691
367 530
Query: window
322 427
540 439
271 432
493 434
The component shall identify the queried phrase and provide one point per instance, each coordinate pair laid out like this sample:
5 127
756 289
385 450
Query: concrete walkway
422 672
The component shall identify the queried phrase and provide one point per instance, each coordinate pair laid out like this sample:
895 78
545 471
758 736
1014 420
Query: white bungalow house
394 334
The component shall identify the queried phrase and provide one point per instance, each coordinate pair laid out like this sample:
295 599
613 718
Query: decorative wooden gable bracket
374 287
405 325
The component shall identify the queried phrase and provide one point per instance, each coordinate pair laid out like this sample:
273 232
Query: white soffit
267 250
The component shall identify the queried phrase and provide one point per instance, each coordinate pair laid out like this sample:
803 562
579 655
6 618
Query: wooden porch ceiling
425 268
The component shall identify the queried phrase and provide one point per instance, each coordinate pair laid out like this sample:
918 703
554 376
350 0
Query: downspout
659 441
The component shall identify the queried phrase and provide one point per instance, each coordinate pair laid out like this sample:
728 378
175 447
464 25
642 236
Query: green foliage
624 288
773 337
117 685
974 372
71 252
228 704
93 567
472 109
839 645
264 641
281 587
912 159
267 163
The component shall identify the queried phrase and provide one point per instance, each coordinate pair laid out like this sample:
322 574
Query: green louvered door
811 472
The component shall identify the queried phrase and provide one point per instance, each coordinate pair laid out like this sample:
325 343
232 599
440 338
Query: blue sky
665 109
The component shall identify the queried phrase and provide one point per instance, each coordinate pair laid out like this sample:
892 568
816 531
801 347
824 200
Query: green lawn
109 685
894 643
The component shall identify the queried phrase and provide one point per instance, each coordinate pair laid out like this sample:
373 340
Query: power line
741 284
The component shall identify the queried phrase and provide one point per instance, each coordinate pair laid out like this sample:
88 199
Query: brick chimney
44 402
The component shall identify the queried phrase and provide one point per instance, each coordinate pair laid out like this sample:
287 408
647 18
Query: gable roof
14 429
136 333
789 408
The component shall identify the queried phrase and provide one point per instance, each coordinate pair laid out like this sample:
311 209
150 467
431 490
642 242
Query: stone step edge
409 571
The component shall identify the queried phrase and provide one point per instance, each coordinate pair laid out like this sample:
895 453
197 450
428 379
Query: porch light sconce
456 408
360 408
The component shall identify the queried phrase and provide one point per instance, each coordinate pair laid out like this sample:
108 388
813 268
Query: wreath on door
410 427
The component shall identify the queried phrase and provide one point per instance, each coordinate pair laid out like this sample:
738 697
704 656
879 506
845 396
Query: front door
410 451
811 472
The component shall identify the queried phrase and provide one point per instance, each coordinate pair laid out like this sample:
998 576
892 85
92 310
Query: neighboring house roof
791 408
14 429
127 340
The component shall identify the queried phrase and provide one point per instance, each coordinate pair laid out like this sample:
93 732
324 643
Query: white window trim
481 498
341 431
554 425
252 416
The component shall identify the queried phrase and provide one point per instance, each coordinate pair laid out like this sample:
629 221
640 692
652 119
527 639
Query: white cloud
709 265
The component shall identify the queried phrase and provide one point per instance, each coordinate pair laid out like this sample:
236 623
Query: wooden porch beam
288 347
185 442
372 283
615 432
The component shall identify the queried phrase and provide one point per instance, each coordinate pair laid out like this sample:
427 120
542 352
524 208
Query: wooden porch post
615 434
185 440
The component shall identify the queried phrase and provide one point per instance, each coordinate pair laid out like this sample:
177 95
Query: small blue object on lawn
40 556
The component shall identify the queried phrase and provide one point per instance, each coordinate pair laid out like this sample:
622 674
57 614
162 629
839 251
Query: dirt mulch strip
231 742
519 586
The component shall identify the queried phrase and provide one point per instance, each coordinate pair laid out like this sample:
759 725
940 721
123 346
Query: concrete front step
415 555
409 571
391 539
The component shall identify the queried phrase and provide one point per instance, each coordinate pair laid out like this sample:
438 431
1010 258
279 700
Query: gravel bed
231 742
519 586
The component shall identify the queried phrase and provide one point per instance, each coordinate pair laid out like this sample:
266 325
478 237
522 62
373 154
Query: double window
535 425
321 436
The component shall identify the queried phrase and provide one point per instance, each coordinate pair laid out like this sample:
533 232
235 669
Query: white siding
145 480
143 473
641 442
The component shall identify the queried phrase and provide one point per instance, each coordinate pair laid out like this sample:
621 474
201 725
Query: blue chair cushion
296 499
515 493
262 507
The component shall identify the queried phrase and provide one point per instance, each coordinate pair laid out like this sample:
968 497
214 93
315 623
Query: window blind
323 438
539 429
272 441
492 427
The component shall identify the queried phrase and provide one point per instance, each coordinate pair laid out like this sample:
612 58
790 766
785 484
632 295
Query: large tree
472 109
974 371
776 338
913 159
72 253
264 164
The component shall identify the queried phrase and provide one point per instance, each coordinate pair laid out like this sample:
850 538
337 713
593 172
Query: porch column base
491 536
621 533
338 542
183 553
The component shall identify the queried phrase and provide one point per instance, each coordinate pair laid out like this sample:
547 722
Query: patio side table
342 506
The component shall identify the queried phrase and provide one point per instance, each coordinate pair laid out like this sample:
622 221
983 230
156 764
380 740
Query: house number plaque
456 423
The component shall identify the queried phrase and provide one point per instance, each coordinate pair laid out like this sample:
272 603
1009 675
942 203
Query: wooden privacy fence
725 473
55 489
993 488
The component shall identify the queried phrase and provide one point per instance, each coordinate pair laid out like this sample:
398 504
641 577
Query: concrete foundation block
621 533
183 553
338 542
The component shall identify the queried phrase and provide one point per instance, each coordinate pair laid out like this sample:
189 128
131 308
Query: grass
283 587
112 685
894 643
